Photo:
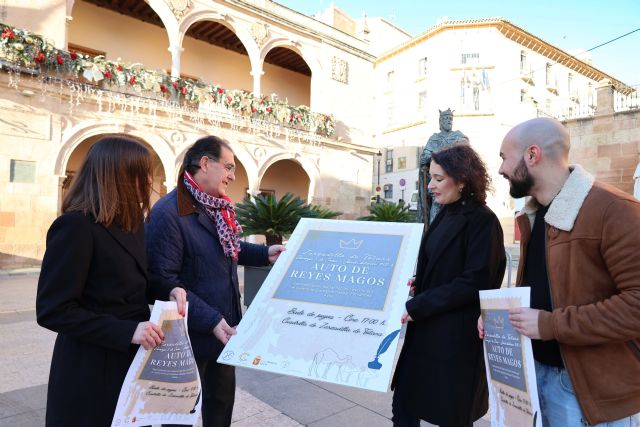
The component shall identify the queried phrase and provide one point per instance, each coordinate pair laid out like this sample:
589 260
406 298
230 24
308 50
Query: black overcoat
440 372
93 291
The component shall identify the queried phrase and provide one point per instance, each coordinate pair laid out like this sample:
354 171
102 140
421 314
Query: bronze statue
427 208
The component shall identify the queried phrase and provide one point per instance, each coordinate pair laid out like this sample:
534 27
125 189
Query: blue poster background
504 349
342 269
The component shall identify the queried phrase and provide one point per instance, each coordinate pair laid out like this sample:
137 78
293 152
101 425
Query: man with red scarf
193 241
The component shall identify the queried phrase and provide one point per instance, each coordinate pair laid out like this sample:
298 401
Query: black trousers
218 393
403 418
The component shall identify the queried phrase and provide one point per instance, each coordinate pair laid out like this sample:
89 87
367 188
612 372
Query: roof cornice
518 35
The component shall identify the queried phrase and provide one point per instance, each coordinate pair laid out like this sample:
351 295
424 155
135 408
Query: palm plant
388 212
276 219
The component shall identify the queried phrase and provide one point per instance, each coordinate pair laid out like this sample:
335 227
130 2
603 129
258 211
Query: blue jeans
558 404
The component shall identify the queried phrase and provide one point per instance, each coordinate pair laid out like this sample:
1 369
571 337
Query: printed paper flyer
513 392
162 385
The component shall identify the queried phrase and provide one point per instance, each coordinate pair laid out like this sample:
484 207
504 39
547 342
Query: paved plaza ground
262 399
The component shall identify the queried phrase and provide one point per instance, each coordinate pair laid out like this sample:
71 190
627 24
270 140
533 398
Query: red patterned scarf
220 212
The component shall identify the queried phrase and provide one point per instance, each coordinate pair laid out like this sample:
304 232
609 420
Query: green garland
34 51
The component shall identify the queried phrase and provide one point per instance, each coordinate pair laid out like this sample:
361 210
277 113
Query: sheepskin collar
566 205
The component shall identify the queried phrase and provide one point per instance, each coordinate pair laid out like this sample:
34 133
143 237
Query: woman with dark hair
94 288
440 376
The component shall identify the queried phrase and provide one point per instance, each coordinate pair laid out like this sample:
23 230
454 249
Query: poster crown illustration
498 322
350 244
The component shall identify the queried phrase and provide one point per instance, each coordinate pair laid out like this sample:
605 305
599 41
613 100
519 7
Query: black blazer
93 291
441 371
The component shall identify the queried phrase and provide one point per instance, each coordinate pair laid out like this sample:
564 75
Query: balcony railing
85 76
622 102
526 73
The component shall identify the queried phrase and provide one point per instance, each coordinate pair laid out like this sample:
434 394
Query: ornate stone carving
179 7
260 33
339 70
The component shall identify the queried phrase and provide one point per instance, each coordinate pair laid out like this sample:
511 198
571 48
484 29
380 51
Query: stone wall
607 144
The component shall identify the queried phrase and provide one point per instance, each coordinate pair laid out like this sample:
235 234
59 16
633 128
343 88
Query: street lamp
379 156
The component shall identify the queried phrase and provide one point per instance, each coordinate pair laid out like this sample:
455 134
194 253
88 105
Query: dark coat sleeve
483 265
253 255
165 252
63 277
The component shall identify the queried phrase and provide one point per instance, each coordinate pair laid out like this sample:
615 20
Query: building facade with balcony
288 91
306 102
493 74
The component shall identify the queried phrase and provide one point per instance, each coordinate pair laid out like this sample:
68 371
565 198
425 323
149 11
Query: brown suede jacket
593 262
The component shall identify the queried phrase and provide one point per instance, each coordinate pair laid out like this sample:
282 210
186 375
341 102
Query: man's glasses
227 166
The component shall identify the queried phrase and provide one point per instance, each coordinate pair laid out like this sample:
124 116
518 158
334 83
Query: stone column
257 77
604 93
176 51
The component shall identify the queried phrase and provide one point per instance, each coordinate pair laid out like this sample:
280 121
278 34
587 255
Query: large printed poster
330 308
162 384
513 393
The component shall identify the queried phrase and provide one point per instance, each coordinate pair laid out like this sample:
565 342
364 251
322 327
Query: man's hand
223 331
148 335
274 252
179 295
480 328
405 318
525 321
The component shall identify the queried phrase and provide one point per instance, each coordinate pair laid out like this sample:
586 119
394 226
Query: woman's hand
179 295
412 285
148 335
405 318
480 328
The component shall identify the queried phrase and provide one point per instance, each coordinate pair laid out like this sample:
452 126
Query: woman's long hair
113 184
464 165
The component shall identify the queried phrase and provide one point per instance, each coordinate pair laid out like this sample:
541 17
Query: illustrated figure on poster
427 207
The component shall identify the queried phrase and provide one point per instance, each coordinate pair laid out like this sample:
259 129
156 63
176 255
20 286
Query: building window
390 113
548 75
422 67
389 161
570 84
22 171
469 95
402 162
390 78
388 191
470 59
523 62
422 101
523 95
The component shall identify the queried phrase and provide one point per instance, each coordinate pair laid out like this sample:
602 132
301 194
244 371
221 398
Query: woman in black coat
440 376
94 288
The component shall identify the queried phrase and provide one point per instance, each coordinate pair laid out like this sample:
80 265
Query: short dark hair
113 183
210 146
464 165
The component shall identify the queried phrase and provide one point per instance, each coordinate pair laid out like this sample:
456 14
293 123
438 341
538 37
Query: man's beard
521 181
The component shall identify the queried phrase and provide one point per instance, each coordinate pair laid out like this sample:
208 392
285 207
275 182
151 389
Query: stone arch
78 134
224 19
289 83
243 157
311 60
307 165
78 154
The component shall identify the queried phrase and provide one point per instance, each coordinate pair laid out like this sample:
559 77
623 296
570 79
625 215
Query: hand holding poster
513 393
162 384
330 308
